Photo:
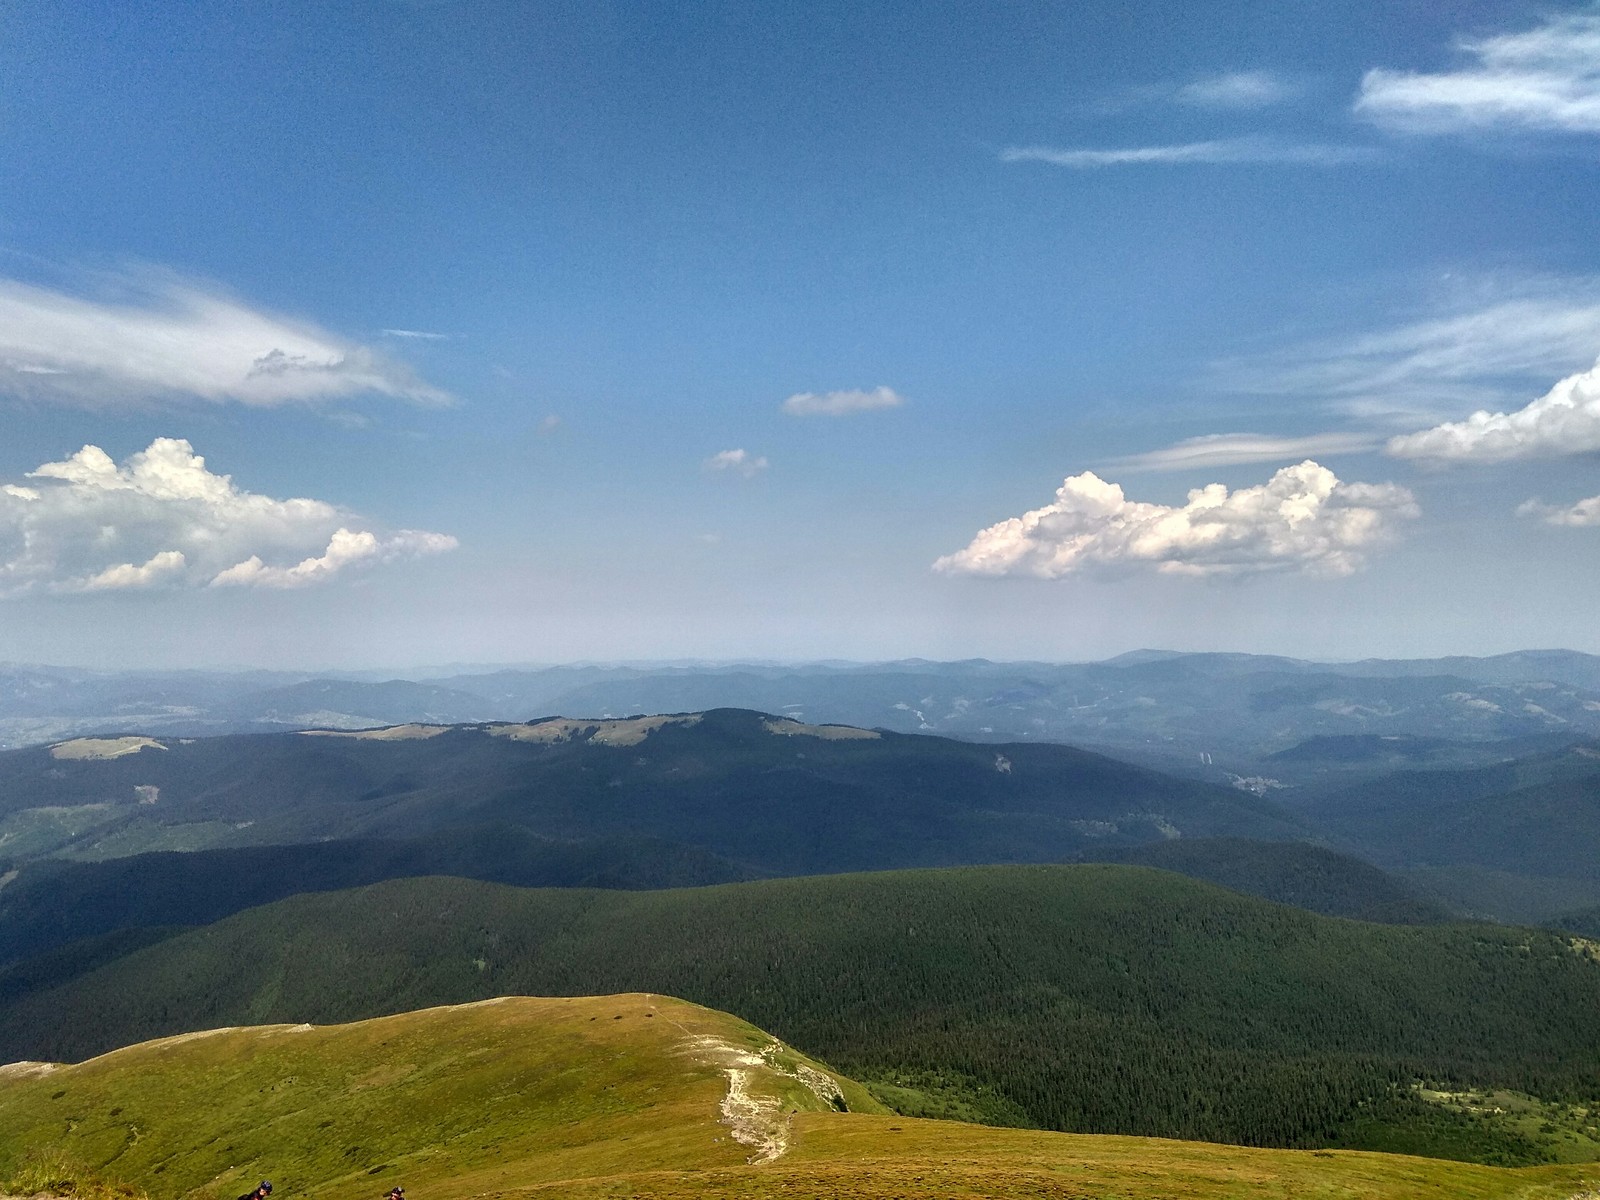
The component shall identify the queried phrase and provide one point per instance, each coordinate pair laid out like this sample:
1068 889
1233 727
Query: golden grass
84 748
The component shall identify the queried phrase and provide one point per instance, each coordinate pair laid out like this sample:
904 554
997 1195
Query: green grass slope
1089 998
513 1091
616 1096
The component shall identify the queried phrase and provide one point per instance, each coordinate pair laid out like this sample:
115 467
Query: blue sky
553 332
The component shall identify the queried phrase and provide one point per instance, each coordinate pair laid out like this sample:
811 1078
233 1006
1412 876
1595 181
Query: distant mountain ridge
767 794
1176 706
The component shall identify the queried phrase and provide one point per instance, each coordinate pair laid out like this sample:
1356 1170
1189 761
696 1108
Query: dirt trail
756 1119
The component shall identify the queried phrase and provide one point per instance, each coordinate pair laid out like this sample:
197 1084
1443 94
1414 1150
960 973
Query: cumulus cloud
1545 78
1233 449
1583 513
740 462
162 337
1221 151
840 404
1236 89
162 519
1565 420
1302 519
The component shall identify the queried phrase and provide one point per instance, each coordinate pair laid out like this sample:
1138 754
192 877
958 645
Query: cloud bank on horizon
1302 519
166 337
164 520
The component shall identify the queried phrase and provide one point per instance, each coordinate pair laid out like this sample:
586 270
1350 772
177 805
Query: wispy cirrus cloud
738 462
1236 449
1483 349
1237 90
1302 519
1219 152
841 404
1546 78
150 335
422 335
163 519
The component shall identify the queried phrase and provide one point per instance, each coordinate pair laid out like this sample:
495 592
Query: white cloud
840 404
1477 351
1546 78
162 566
1233 449
1226 150
163 520
740 462
1583 513
1304 518
549 424
1565 420
164 337
1236 89
415 335
345 549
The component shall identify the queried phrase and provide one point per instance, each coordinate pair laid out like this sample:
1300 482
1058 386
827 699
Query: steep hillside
773 795
631 1095
1091 998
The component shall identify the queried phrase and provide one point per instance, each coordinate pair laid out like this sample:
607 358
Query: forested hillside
773 795
1306 876
1098 998
51 902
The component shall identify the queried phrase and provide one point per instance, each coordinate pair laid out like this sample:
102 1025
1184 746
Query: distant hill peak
788 727
80 748
387 733
604 731
629 731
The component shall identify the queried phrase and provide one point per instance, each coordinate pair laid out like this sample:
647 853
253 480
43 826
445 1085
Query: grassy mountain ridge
518 1089
1096 998
631 1095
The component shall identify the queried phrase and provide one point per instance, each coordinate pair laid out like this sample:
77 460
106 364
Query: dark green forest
1306 876
1092 998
